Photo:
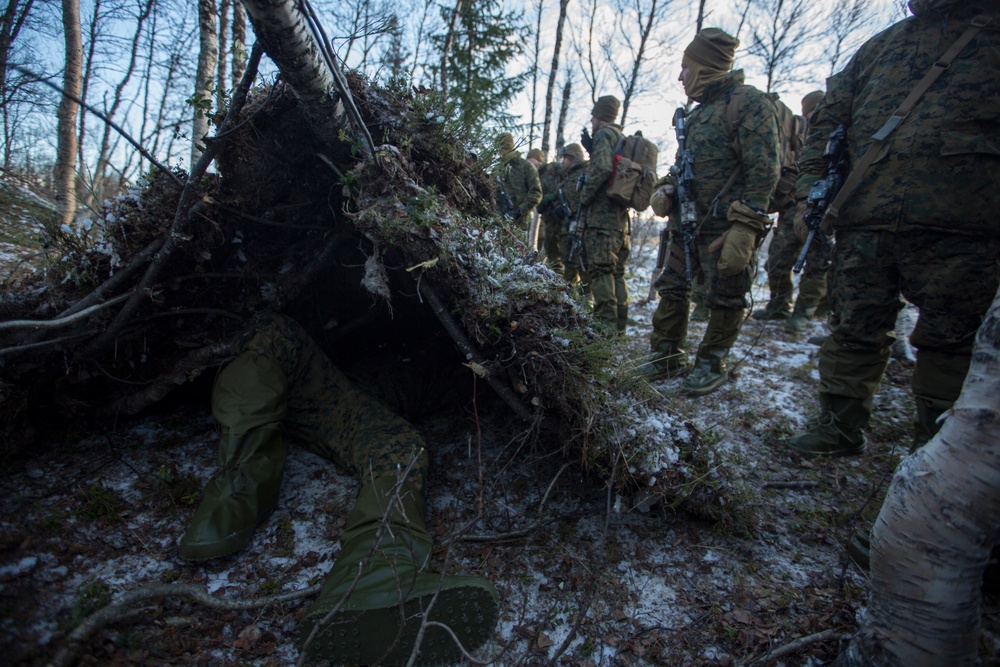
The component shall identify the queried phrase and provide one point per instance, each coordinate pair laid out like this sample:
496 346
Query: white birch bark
934 534
208 54
65 168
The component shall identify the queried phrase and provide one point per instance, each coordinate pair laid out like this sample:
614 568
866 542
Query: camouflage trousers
782 254
281 376
552 243
720 292
951 278
605 255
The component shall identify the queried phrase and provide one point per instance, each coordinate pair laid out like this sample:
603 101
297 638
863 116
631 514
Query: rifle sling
880 137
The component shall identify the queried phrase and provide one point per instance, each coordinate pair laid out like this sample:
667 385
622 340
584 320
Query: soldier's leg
727 302
553 244
865 300
812 297
781 255
601 247
952 280
670 319
621 287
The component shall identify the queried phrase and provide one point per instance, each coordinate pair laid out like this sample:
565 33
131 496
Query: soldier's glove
586 140
662 199
799 221
737 245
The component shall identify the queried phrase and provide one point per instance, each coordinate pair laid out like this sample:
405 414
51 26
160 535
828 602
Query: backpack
633 172
791 129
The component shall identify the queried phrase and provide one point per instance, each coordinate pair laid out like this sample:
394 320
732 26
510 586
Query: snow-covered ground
581 586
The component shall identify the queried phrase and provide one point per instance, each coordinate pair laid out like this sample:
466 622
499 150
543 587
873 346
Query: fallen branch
794 484
124 607
798 644
62 321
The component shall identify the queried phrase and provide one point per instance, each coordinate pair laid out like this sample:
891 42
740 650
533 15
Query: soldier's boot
926 423
810 291
701 313
710 371
376 597
622 317
239 497
837 431
778 308
665 360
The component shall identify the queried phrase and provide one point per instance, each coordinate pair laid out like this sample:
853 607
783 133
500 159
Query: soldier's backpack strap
878 139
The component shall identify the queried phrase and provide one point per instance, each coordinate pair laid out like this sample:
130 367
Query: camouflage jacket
570 179
550 176
938 170
520 181
599 211
717 155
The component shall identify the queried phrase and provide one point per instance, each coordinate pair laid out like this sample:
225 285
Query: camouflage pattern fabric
938 169
729 292
923 221
520 181
783 252
313 402
571 271
717 155
951 278
600 212
605 254
550 176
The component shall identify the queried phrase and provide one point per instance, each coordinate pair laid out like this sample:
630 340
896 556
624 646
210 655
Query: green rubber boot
378 593
665 360
837 431
709 371
774 310
239 497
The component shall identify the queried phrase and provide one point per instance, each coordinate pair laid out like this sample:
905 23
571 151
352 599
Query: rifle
575 254
823 191
661 260
507 206
683 172
565 211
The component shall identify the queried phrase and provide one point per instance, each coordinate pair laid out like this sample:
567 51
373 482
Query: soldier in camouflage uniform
573 167
519 179
921 223
605 222
725 246
549 210
783 253
281 385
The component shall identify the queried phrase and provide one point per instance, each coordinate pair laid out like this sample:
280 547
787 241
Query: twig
45 343
801 642
117 279
146 154
124 608
185 207
62 321
471 353
793 484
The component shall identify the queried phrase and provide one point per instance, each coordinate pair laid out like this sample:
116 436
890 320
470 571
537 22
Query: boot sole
370 636
709 388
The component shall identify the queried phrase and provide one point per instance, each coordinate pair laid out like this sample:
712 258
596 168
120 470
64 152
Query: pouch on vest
633 172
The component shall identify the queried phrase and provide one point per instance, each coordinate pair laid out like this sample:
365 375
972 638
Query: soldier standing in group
281 385
920 221
784 251
729 219
573 167
549 175
604 222
518 180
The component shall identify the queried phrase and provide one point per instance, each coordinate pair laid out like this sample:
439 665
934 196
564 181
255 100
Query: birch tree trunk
208 54
933 536
286 38
239 43
65 168
221 81
553 72
564 110
10 25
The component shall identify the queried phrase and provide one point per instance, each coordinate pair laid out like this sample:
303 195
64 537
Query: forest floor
582 580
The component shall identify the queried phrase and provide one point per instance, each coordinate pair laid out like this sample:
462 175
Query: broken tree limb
467 348
125 607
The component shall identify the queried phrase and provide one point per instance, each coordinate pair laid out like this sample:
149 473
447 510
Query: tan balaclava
536 154
606 108
810 102
505 143
708 58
